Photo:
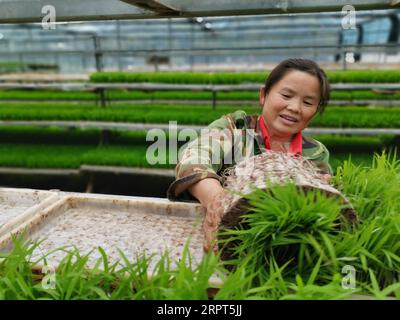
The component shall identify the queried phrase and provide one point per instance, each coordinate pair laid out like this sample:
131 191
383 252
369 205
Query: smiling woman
288 106
293 93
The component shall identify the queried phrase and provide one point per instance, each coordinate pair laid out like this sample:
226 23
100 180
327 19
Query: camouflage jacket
217 149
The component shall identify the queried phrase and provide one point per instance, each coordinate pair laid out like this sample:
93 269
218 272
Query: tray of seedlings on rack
135 225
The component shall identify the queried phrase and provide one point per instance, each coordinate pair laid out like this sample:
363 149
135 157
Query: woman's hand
210 194
327 177
212 220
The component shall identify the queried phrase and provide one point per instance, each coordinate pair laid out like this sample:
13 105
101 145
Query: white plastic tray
136 225
18 205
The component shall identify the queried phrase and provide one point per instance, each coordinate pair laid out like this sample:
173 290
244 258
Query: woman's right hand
212 220
210 194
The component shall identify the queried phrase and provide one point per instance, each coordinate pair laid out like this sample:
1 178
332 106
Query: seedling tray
135 225
18 205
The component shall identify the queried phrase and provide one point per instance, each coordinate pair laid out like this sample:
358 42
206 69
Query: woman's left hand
326 177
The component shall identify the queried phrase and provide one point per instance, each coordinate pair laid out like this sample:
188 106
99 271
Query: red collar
296 147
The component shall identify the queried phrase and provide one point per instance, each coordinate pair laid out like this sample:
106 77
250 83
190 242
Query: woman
295 91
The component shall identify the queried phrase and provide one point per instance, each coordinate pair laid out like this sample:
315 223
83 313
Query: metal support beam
22 11
154 5
256 7
211 50
99 67
182 87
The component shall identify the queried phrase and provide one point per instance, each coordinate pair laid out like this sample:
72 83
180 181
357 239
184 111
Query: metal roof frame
153 5
22 11
211 51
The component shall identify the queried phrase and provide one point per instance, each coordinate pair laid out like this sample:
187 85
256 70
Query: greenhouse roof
22 11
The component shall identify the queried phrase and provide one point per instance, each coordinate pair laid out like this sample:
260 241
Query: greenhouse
199 150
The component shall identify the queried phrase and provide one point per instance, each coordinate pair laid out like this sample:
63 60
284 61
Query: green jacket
212 152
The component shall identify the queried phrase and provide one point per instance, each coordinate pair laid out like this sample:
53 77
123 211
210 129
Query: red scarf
296 146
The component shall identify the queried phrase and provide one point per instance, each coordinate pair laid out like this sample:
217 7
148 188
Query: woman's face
291 103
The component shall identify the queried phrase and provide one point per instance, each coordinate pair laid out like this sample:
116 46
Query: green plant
121 95
299 230
291 246
335 117
349 76
287 224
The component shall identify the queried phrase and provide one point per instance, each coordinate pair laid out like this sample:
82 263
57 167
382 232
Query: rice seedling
11 66
74 279
286 224
333 290
356 117
349 76
46 95
73 156
291 244
44 155
53 135
43 95
300 231
356 144
374 193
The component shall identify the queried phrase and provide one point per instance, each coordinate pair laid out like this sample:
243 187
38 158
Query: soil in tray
133 232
